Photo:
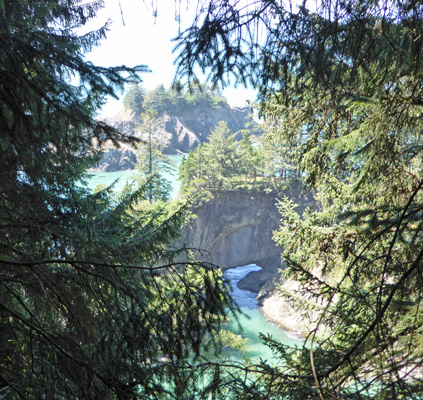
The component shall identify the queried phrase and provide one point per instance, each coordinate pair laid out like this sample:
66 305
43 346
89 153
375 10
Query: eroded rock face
183 139
236 229
192 126
257 280
184 131
117 160
280 311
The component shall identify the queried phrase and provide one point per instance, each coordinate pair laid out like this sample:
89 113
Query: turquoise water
252 323
107 178
122 177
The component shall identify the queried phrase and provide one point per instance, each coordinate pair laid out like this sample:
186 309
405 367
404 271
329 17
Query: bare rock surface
236 229
255 281
279 310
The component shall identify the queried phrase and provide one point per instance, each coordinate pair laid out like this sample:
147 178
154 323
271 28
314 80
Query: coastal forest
99 295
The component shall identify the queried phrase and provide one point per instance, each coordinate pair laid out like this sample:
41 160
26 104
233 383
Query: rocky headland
182 131
235 228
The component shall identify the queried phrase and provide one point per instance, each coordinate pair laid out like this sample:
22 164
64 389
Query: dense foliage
92 304
341 83
225 163
138 100
218 161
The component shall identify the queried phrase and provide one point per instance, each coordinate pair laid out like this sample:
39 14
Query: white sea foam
244 298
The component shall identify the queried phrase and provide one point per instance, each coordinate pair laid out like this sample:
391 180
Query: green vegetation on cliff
151 162
173 100
224 163
92 303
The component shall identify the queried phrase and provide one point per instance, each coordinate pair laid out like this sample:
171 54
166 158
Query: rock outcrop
192 126
183 131
236 229
280 311
117 159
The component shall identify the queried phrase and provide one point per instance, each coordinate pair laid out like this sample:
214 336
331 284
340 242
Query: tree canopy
95 302
224 163
341 83
176 98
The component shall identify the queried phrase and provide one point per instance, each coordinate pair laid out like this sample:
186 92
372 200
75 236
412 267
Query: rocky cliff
236 229
280 311
192 125
183 131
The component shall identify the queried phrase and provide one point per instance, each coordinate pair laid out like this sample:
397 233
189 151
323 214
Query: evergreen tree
193 169
160 99
91 303
151 162
249 158
225 163
215 163
205 95
278 151
221 155
134 99
174 99
344 84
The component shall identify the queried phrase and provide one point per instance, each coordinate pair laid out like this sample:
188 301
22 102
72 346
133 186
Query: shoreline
275 308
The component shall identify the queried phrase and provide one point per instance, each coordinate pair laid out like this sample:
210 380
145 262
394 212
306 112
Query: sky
137 37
